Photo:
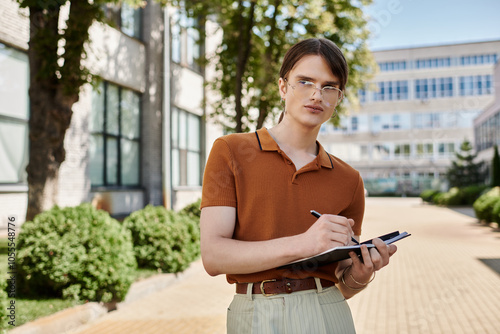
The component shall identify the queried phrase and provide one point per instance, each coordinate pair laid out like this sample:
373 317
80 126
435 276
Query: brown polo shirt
251 173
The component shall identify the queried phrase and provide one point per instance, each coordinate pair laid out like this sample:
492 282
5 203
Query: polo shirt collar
267 143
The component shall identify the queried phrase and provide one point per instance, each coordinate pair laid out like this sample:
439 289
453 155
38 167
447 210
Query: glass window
124 17
14 115
185 40
131 20
381 151
186 148
476 85
402 150
446 149
478 59
115 137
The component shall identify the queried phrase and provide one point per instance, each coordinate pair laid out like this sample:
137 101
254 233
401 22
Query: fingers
342 226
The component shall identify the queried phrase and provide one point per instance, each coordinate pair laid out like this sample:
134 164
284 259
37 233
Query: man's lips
313 107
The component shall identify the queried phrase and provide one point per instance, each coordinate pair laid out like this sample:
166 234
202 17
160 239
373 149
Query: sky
413 23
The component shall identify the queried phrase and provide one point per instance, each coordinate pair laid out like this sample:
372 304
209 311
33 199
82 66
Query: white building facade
487 127
139 138
414 115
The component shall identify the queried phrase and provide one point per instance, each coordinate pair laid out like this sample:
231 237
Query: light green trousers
319 311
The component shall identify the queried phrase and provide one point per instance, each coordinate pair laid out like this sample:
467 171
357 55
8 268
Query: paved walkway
436 282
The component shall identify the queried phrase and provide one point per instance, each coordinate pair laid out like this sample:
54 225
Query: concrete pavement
437 282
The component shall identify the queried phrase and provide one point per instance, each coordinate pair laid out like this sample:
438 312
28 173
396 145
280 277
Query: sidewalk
436 282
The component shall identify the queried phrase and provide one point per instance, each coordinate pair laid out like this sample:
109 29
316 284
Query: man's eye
305 82
329 88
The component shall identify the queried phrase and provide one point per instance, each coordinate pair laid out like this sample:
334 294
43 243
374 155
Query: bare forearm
228 256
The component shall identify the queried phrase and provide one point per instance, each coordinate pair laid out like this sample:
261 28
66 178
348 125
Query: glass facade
487 133
186 148
478 59
476 85
115 137
433 62
14 115
438 62
433 88
391 91
392 66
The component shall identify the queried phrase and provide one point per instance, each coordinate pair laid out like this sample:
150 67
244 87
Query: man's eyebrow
327 83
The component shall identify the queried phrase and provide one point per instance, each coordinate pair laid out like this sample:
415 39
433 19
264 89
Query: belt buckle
262 288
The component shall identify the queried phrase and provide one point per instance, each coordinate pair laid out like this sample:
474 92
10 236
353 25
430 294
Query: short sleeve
356 208
218 179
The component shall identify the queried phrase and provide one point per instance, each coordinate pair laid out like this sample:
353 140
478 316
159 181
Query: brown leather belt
286 285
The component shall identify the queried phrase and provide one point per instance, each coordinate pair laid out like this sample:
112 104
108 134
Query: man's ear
282 87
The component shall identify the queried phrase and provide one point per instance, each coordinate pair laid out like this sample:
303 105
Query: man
258 191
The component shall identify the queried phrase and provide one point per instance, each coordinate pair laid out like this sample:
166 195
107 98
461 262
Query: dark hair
320 47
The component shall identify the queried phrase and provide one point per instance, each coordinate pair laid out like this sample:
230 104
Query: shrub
4 303
454 196
495 213
193 209
428 195
75 252
471 193
483 206
163 239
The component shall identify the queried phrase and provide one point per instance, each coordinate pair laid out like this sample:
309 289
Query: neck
295 136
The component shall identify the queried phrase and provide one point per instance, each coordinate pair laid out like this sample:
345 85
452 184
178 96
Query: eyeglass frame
321 90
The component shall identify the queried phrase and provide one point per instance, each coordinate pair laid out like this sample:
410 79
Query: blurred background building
415 113
137 138
141 136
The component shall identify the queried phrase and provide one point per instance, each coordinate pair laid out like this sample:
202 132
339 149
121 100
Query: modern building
137 139
487 127
414 115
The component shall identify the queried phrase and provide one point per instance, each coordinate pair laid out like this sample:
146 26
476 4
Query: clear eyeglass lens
330 94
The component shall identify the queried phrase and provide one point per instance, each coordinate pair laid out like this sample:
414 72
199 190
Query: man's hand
327 232
373 259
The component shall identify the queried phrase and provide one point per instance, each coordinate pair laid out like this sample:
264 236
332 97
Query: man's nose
317 93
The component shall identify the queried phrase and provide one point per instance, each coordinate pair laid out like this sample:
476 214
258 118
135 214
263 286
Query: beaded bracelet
350 287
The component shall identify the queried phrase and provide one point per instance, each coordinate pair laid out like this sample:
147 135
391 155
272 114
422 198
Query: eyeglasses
331 95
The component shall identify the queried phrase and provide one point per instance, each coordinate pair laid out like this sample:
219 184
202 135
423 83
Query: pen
317 215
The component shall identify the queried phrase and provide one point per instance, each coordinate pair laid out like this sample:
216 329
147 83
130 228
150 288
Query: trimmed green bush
471 193
4 303
495 214
193 209
454 196
428 195
75 252
163 239
483 206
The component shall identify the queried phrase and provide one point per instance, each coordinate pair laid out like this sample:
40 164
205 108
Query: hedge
428 195
485 204
75 252
163 239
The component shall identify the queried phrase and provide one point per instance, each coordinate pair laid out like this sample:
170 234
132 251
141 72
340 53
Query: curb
70 319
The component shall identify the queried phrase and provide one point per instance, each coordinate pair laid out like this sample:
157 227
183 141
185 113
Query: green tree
255 36
495 168
464 171
56 75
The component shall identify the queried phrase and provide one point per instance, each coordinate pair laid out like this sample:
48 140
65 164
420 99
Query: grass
31 309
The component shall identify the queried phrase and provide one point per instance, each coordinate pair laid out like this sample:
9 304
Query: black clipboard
339 253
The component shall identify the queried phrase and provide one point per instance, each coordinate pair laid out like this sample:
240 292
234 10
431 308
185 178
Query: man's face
304 101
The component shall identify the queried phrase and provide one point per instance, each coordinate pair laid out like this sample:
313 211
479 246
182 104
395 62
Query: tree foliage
255 36
464 171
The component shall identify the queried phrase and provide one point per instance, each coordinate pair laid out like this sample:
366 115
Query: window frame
5 118
176 144
118 137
